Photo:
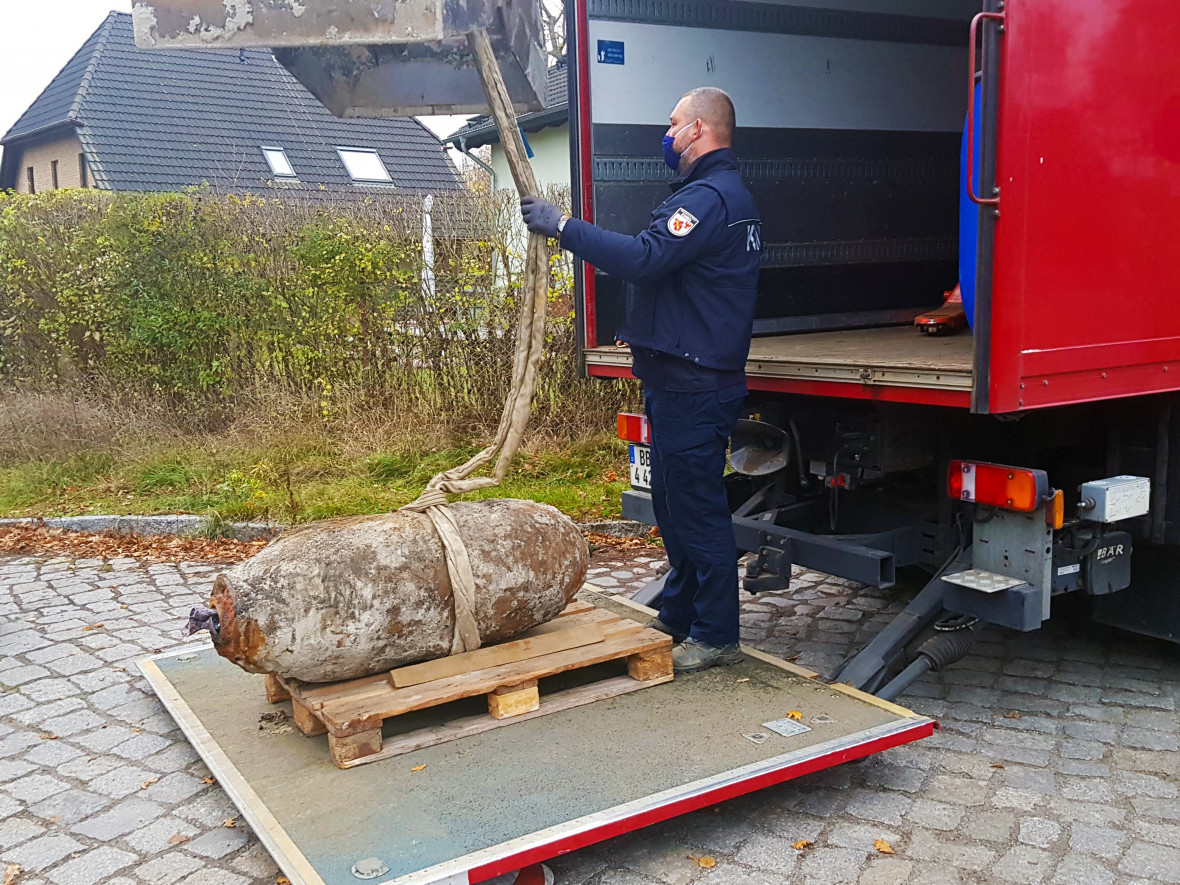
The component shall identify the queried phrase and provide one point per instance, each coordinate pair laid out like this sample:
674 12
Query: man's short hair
715 107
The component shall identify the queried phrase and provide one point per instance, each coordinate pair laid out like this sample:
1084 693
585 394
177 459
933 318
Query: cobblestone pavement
1058 761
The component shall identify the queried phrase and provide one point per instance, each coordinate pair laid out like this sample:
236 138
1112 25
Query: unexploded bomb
346 598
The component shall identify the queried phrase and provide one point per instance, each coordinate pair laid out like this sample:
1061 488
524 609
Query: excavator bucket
367 58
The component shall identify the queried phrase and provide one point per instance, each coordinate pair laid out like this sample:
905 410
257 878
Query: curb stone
242 531
152 525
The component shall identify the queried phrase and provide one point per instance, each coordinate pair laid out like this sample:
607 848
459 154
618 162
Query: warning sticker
681 223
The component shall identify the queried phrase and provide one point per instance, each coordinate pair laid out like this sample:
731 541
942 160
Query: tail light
633 428
1012 488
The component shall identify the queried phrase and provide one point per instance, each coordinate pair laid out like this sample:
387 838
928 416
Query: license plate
641 467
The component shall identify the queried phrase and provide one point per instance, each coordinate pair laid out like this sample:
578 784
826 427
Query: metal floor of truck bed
465 811
899 356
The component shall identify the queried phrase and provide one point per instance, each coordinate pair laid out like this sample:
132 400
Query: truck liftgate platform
472 808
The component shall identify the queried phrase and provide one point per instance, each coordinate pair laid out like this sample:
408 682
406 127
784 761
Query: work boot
657 624
693 655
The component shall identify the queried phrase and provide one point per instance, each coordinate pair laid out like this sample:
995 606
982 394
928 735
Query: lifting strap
526 362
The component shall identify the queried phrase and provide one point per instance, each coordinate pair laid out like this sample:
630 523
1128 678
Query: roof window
364 165
276 159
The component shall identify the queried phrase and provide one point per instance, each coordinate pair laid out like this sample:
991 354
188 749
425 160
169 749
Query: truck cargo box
850 123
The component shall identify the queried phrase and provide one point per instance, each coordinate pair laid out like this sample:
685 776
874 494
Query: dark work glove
540 216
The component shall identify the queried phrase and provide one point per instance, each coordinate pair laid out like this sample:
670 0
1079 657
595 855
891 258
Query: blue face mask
671 157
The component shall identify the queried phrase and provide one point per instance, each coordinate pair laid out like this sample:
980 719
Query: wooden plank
313 693
472 725
362 690
594 616
891 707
494 655
339 716
576 607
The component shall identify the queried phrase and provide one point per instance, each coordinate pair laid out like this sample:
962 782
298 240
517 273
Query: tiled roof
167 119
556 85
480 130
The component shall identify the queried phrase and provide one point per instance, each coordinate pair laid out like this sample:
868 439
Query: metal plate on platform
476 807
984 582
786 727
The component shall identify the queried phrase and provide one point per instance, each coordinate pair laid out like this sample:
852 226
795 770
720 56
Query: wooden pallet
352 713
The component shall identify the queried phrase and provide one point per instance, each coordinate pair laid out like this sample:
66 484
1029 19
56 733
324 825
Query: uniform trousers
689 434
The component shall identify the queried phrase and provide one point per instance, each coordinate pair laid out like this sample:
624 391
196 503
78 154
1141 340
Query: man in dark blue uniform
688 321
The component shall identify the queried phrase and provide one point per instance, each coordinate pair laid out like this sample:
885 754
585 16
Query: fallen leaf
230 822
795 714
208 780
11 872
744 679
108 545
282 880
418 768
178 839
883 846
706 863
48 737
996 765
137 730
1011 714
91 627
148 783
803 845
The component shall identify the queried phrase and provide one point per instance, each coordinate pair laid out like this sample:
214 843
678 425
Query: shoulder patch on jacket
681 223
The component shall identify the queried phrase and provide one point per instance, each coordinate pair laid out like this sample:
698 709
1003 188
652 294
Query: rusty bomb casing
346 598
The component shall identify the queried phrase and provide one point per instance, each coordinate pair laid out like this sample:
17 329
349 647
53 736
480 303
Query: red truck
1029 457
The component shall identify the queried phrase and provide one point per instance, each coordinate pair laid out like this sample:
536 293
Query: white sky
38 37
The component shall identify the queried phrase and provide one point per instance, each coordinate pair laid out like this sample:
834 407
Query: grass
277 458
285 482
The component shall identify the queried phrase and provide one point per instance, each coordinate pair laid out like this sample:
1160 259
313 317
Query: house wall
40 155
551 158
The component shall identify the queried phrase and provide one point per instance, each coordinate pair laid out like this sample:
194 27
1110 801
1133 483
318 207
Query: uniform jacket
694 269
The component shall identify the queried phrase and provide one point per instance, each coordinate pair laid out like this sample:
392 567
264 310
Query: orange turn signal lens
1012 488
633 428
1055 512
